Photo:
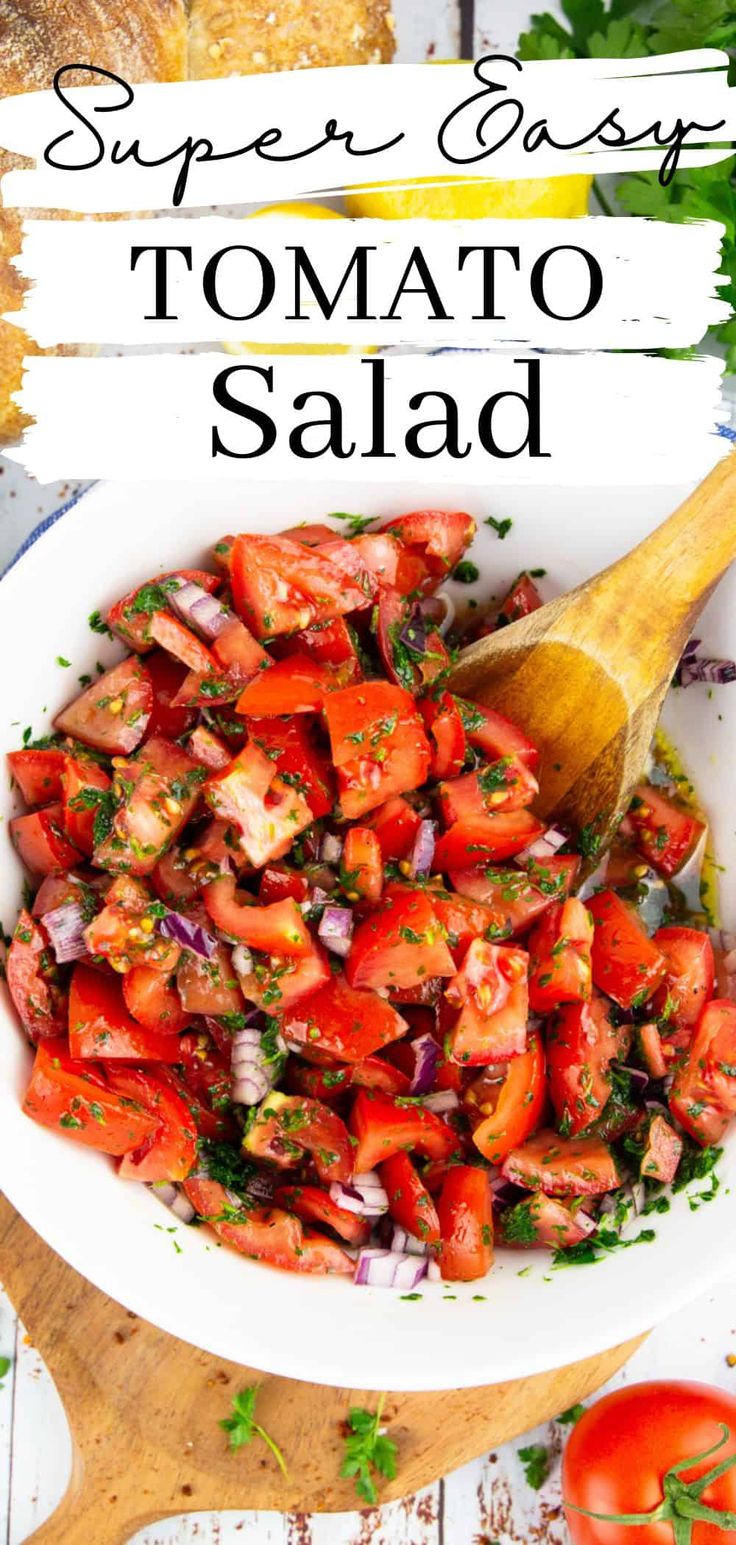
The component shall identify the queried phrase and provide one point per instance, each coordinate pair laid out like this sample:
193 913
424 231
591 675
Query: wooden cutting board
144 1410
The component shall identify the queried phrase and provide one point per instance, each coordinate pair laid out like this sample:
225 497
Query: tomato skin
40 1002
101 1027
383 1126
582 1042
395 825
519 1105
78 814
690 977
316 1206
294 685
267 812
492 994
523 599
703 1095
261 567
290 745
475 844
618 1452
341 1023
40 841
409 1201
560 968
465 1217
362 864
37 774
627 965
519 896
286 980
496 735
664 833
504 785
332 645
278 883
113 714
400 946
167 677
444 726
153 1002
379 747
465 920
170 1152
268 1233
278 929
578 1166
130 617
73 1098
431 543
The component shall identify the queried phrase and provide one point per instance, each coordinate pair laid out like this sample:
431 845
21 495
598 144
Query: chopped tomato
279 981
341 1022
331 644
279 586
409 1201
399 946
40 841
412 651
157 791
33 980
266 810
82 784
575 1166
627 965
179 640
362 865
71 1097
582 1042
560 959
432 543
316 1206
153 1001
384 1125
491 992
131 616
519 896
540 1220
294 685
379 747
101 1027
444 726
312 533
504 785
38 774
209 986
513 1106
349 559
267 1233
286 1126
237 654
703 1094
651 1050
123 932
381 552
690 976
466 1222
113 714
664 832
208 749
170 1151
211 1118
662 1152
278 929
175 879
465 920
395 825
291 745
495 735
475 844
523 599
167 678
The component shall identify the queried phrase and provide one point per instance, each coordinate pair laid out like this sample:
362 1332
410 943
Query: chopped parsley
368 1450
536 1462
242 1426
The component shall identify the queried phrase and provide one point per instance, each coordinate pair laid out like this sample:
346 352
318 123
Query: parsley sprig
242 1426
368 1450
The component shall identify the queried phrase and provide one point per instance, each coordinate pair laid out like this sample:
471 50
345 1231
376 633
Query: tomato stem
680 1505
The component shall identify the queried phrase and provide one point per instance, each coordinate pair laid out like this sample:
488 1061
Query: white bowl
114 1232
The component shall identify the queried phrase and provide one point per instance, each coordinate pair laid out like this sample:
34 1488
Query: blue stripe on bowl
45 525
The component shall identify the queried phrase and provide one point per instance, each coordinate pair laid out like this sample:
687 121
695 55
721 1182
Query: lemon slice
521 199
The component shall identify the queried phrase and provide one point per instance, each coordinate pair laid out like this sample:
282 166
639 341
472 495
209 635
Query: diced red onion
65 927
702 668
505 1192
199 610
584 1222
242 960
330 850
404 1243
261 1186
442 1101
363 1195
174 1198
253 1073
387 1268
190 935
318 898
544 847
639 1079
336 929
434 1273
422 853
426 1056
449 611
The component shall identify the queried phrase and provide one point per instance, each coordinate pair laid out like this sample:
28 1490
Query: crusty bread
161 40
248 37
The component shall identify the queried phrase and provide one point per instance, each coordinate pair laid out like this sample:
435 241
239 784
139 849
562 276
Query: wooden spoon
586 674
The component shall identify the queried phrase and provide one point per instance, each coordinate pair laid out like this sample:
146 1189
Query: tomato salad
302 957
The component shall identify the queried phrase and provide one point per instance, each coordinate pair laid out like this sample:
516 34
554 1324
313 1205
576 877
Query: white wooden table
488 1502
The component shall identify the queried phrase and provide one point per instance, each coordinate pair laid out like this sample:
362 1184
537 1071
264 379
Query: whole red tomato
622 1459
